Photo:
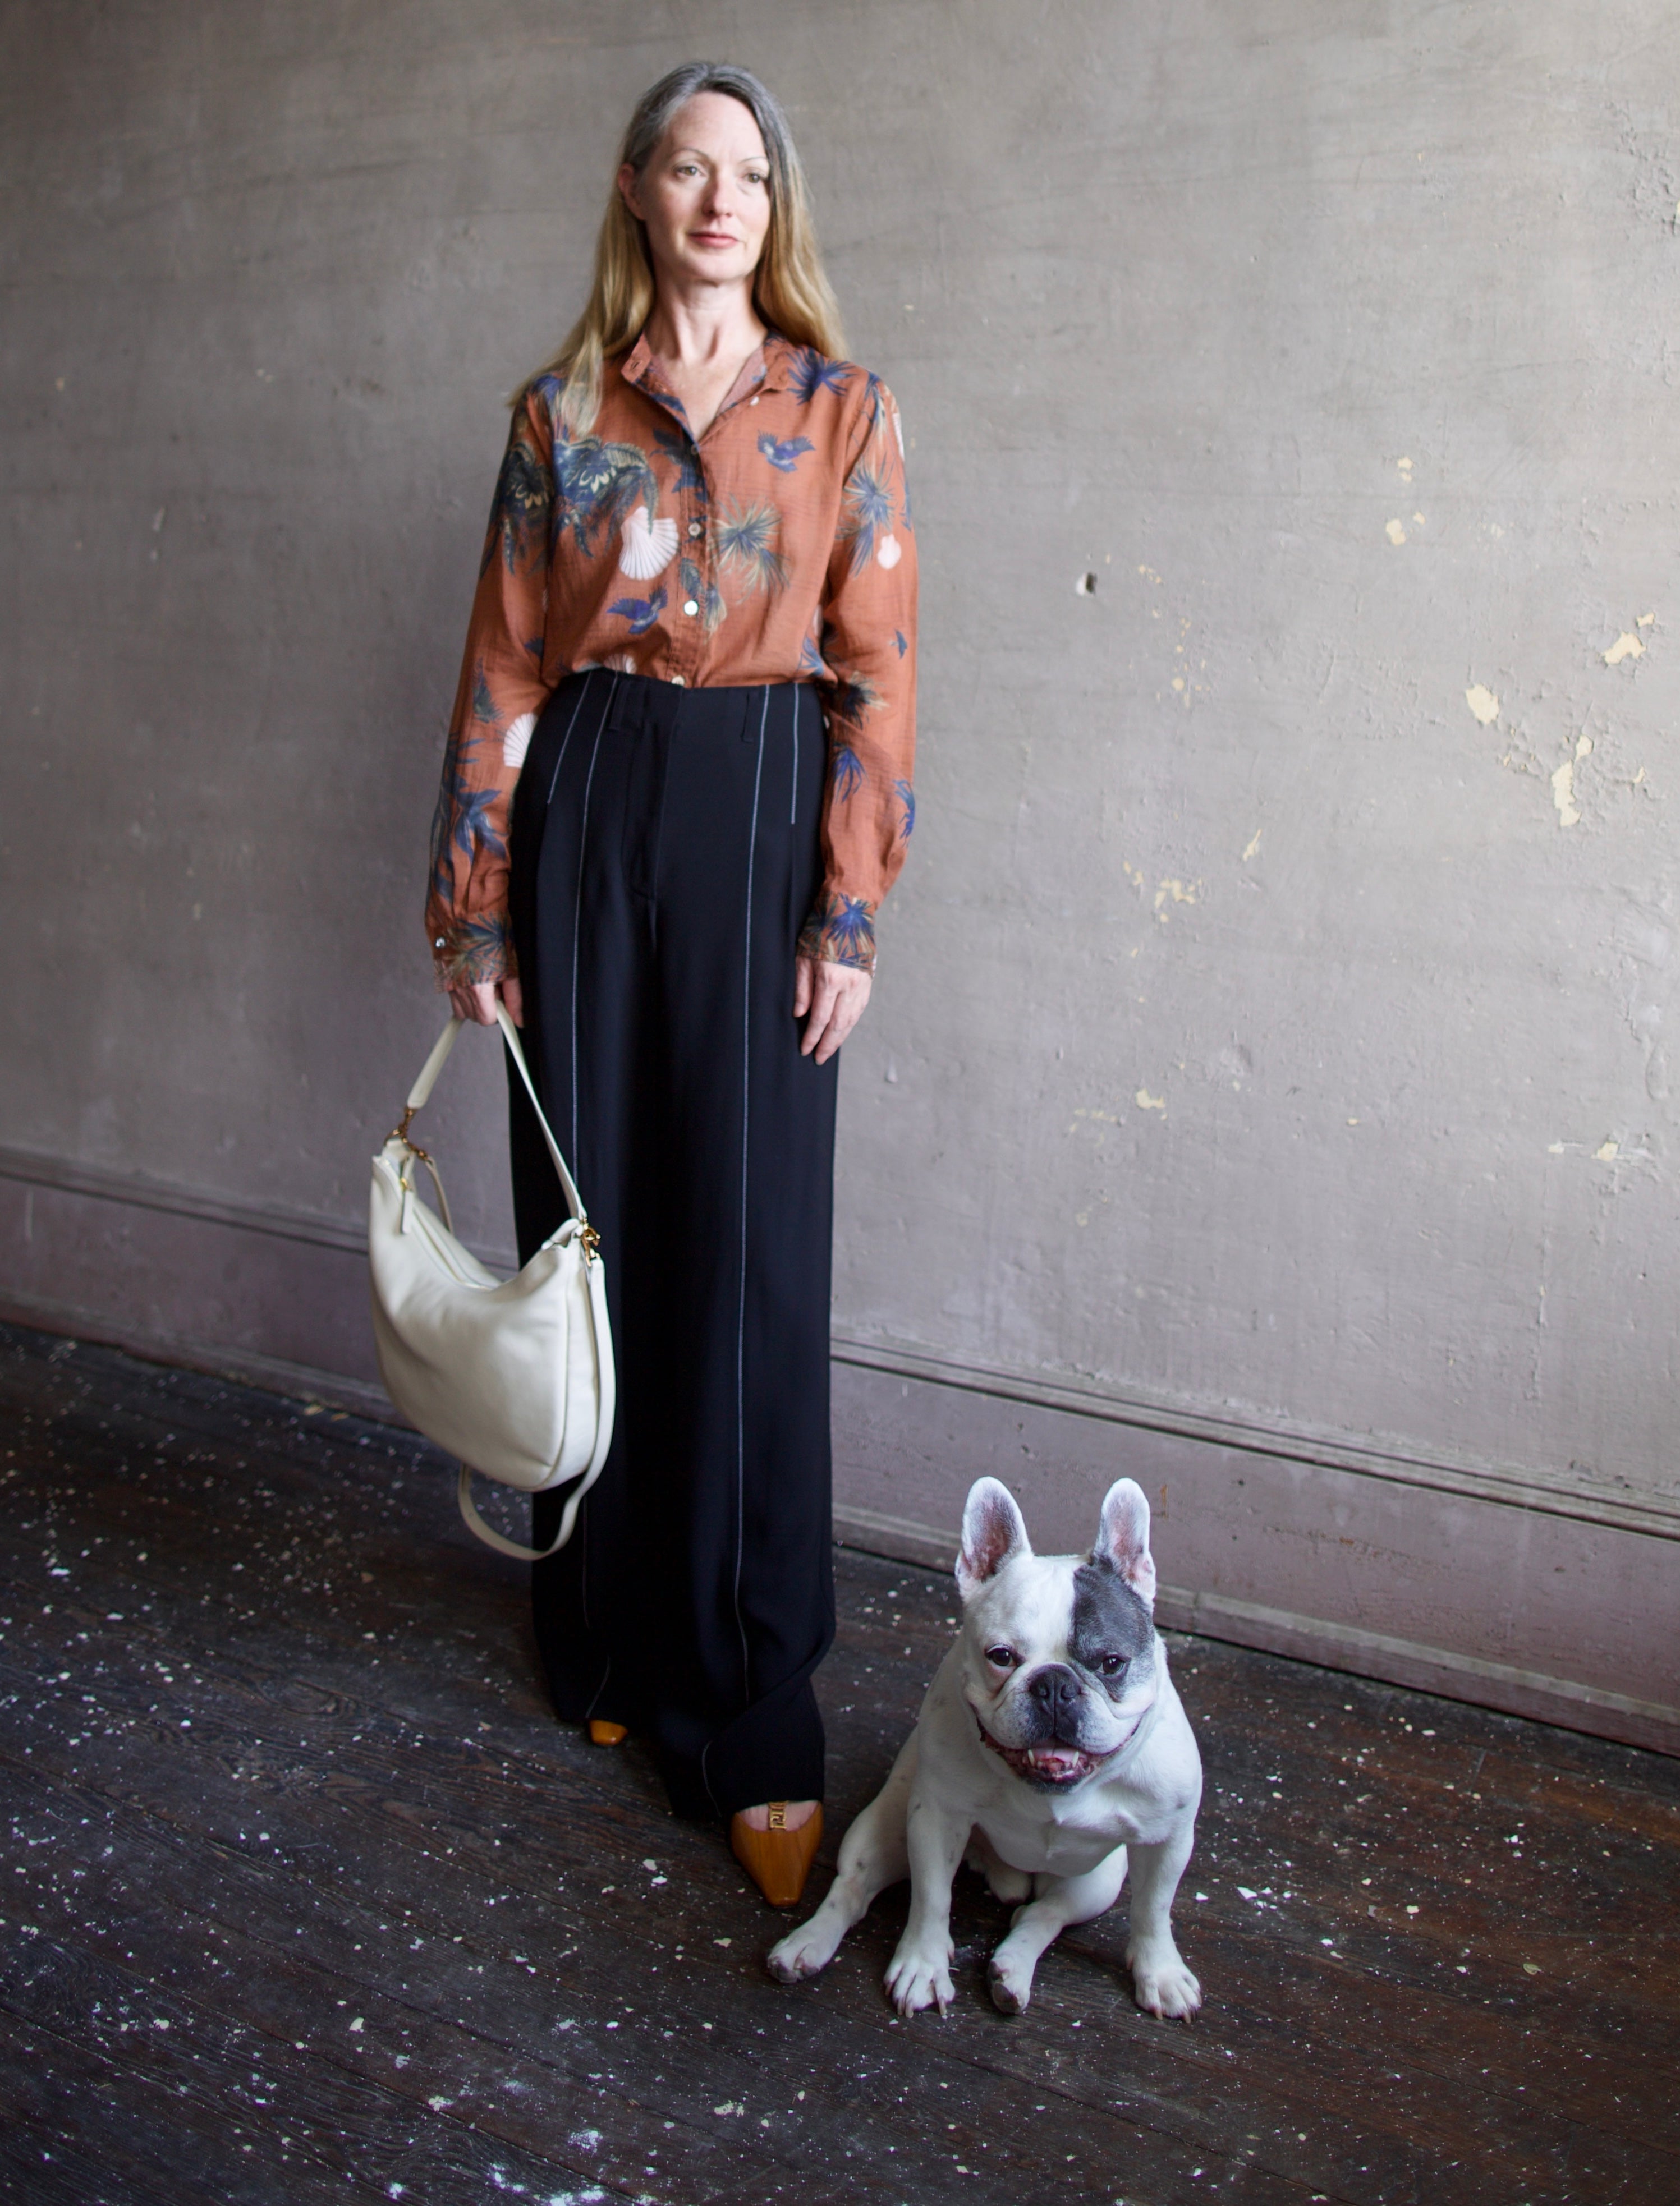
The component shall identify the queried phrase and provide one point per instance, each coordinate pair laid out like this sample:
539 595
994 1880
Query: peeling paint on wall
1562 795
1483 703
1626 646
1145 1101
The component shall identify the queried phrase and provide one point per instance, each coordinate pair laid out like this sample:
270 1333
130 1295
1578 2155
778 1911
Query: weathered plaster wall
1275 1023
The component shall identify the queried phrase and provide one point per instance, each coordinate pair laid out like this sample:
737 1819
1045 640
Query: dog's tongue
1055 1761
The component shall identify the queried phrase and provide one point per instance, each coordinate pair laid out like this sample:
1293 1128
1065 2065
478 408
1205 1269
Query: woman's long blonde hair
790 290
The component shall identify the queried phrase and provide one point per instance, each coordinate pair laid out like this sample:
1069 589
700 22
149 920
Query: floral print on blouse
778 548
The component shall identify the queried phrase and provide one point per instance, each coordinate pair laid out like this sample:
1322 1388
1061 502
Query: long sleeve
501 691
869 690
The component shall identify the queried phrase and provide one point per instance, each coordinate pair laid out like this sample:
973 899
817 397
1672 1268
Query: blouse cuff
474 950
841 928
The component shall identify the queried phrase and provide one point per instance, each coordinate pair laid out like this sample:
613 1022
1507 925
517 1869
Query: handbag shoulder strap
420 1093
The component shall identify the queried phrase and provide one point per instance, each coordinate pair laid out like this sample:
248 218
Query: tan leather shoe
606 1734
777 1860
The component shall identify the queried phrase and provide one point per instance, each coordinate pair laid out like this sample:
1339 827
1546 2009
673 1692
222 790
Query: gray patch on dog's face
1110 1620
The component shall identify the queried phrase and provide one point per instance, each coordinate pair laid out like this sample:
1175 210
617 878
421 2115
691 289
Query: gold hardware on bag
400 1133
590 1239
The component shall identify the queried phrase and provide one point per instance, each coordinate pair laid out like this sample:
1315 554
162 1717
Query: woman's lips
715 238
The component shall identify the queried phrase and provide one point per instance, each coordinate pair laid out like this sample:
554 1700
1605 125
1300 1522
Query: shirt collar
768 369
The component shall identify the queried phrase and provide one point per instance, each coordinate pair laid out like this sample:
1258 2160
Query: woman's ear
627 181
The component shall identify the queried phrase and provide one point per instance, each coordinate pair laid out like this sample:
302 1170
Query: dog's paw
1161 1983
1011 1987
797 1958
1011 1886
1014 1886
915 1980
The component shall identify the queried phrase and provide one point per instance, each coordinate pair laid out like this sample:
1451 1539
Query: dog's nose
1055 1689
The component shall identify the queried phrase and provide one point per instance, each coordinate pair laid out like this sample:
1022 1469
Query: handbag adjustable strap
604 1423
420 1094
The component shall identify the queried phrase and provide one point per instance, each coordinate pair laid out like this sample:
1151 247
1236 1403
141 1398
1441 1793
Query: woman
676 789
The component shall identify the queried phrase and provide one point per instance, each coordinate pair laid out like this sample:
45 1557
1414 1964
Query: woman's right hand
476 1000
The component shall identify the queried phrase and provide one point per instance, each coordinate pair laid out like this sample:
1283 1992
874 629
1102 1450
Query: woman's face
705 194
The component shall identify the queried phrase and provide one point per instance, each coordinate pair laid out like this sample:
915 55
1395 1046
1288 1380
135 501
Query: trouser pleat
665 849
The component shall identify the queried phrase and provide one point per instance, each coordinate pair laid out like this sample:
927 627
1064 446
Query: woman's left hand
834 995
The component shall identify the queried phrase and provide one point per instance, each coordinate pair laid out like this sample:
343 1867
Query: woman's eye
1002 1658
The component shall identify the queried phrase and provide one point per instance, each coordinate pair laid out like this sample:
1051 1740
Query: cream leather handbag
514 1376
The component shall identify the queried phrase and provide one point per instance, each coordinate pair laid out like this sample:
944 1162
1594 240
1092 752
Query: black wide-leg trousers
664 851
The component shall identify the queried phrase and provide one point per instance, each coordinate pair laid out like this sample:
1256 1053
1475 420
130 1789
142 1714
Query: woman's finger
823 1005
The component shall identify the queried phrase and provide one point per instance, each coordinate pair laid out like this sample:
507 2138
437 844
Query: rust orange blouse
776 549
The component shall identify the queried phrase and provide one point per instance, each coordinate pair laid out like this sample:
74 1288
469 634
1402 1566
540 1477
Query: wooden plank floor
303 1895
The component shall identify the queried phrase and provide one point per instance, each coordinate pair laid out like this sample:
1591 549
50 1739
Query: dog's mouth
1049 1763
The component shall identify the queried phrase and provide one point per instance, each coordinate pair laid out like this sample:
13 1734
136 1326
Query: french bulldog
1052 1754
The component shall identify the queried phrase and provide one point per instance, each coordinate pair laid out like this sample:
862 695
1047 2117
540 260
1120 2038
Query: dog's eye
1002 1658
1112 1665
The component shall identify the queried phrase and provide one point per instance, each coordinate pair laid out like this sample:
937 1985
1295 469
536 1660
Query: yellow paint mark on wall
1396 532
1563 793
1418 517
1404 465
1145 1101
1608 1153
1644 620
1148 573
1177 891
1254 845
1583 746
1483 703
1626 646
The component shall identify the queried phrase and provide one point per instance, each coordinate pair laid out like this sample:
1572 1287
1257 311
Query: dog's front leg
1162 1984
1056 1902
919 1973
872 1856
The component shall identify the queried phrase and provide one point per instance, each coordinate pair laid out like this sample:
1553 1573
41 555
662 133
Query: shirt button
439 944
696 528
691 606
678 683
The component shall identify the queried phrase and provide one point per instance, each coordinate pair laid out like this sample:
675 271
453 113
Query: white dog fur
1052 1753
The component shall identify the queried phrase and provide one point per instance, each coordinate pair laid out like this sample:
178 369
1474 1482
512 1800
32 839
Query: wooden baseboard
1332 1646
1455 1578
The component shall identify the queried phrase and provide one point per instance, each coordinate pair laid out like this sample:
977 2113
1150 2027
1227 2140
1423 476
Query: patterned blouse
776 549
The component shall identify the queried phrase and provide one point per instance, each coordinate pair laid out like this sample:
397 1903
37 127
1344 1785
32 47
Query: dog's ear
1123 1542
993 1529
